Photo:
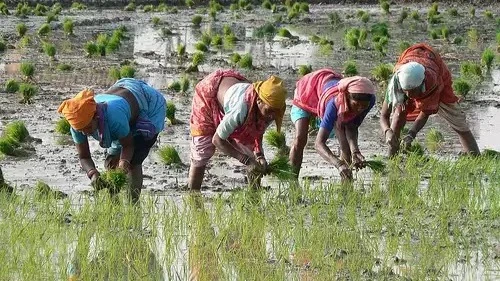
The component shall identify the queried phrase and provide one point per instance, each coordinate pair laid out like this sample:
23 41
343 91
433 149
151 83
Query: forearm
327 154
385 117
227 147
352 138
87 164
127 153
418 124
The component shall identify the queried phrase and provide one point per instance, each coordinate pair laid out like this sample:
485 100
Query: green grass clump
206 37
403 45
49 49
174 86
275 139
487 58
434 140
16 131
27 69
382 72
267 30
352 38
23 10
246 61
434 34
64 67
196 20
27 91
377 166
266 4
51 17
453 12
281 168
91 48
304 69
415 149
56 8
198 58
473 37
63 127
385 7
43 192
11 86
114 73
4 10
44 29
189 3
181 50
169 155
235 58
127 71
488 14
21 29
184 82
365 18
381 45
471 69
171 109
380 29
445 33
8 146
458 40
415 15
114 180
130 7
68 26
148 8
229 41
350 69
461 87
78 6
200 46
155 21
491 154
283 32
403 16
3 46
217 41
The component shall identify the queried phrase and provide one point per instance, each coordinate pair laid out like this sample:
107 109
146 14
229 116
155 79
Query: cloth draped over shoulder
206 113
309 89
353 85
437 86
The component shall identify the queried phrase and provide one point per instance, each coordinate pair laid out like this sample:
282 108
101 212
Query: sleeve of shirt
359 119
77 136
232 120
330 116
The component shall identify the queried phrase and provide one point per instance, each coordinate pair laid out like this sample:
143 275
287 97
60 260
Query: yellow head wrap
272 93
79 110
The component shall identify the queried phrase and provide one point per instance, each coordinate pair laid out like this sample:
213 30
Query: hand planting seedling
114 180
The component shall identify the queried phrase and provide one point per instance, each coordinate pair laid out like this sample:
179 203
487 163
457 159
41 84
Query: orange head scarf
273 93
79 110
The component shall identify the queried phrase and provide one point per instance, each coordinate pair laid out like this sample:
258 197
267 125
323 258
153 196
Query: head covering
411 75
272 93
79 110
356 85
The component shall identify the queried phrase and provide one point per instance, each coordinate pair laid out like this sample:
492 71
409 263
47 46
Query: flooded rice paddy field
426 219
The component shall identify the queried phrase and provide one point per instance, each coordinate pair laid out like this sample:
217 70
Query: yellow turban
272 93
79 110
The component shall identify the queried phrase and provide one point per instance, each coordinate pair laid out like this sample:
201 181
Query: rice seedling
445 33
184 82
351 38
43 191
148 8
292 14
21 29
472 37
487 58
8 146
488 14
415 16
130 7
229 41
304 69
4 10
114 73
27 69
434 9
200 46
127 71
275 139
382 72
377 166
113 180
490 154
189 3
434 34
415 149
365 18
350 69
63 127
472 12
458 40
27 91
51 17
212 14
380 30
267 30
49 49
196 20
234 7
360 13
335 19
16 131
156 21
470 70
169 155
56 8
304 7
381 45
385 7
461 87
403 45
403 16
23 10
453 12
281 168
181 50
11 86
266 4
44 29
113 45
315 39
78 6
170 114
91 48
434 140
217 41
198 58
174 86
235 58
226 30
68 26
283 32
246 61
165 32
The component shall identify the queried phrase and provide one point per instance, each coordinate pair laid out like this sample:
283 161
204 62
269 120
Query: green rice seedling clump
490 154
473 36
127 71
114 180
382 72
304 69
130 7
352 38
435 34
40 10
380 29
169 155
44 29
91 48
27 69
488 14
453 12
206 37
68 26
51 17
377 166
23 10
403 45
27 91
171 109
445 33
200 46
267 30
350 69
461 87
21 29
49 49
229 41
246 61
217 41
458 40
184 81
64 67
487 58
155 21
3 46
416 149
385 7
283 32
472 12
63 127
181 50
275 139
415 15
189 3
4 10
114 73
381 45
78 6
8 146
43 191
196 20
174 86
365 18
266 4
56 8
281 168
403 16
235 58
471 69
198 58
11 86
434 140
148 8
335 19
17 131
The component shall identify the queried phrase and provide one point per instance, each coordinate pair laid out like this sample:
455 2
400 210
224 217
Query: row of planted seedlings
394 226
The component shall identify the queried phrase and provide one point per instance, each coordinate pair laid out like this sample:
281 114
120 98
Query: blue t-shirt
118 116
330 116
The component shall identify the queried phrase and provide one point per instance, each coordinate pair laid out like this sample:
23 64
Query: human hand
255 166
263 163
358 160
406 142
124 165
390 138
97 182
345 172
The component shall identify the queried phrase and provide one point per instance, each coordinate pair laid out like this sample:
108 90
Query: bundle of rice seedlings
281 168
102 42
275 139
415 148
380 29
184 82
27 69
91 48
267 5
283 32
11 86
458 40
196 20
27 91
304 69
352 38
471 69
461 87
127 71
445 33
377 166
171 109
200 46
155 21
434 34
473 35
21 29
217 41
385 7
8 146
56 8
181 50
44 191
63 127
23 10
382 72
68 26
235 58
230 40
169 155
487 58
16 131
403 16
198 58
491 154
44 29
350 69
246 61
4 10
3 46
175 86
453 12
113 180
267 30
335 19
78 6
415 15
488 14
49 49
189 3
51 17
206 37
130 7
114 73
434 140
